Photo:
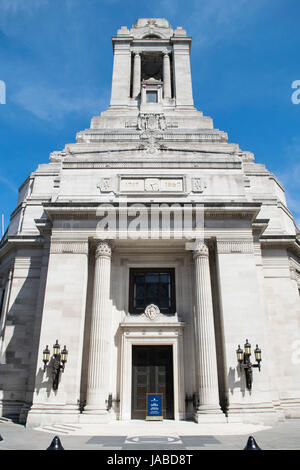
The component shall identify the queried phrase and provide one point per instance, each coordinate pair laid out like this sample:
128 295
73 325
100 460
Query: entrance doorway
152 372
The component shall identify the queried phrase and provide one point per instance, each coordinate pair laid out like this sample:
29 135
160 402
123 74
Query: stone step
61 428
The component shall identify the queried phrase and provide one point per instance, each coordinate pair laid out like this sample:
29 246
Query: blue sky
56 62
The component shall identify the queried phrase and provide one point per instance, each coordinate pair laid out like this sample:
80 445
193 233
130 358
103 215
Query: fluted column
205 338
167 75
136 89
99 355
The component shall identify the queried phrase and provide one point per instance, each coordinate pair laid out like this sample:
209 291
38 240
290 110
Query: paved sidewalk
140 435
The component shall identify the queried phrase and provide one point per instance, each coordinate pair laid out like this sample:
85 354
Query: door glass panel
152 372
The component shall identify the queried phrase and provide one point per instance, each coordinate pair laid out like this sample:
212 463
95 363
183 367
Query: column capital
103 248
201 250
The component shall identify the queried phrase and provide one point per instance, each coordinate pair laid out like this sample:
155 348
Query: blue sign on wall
154 406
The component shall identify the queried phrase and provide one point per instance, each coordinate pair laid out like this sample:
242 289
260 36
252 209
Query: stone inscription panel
151 185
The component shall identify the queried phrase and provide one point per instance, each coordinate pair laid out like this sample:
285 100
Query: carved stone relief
151 122
198 185
105 185
152 312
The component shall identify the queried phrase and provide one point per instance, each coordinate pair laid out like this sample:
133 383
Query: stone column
136 89
167 75
206 361
99 355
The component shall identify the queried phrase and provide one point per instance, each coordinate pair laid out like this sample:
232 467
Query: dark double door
152 372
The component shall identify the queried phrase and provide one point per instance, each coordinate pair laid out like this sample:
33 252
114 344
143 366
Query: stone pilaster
120 86
98 367
167 75
136 89
182 72
60 314
206 362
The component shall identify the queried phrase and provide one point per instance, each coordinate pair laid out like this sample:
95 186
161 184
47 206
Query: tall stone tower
152 67
150 248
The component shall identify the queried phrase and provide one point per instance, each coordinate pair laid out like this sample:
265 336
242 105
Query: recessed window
152 286
151 96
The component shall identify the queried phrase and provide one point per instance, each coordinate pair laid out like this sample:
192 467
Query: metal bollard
251 444
55 444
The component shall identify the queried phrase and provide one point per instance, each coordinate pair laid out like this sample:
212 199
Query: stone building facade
151 248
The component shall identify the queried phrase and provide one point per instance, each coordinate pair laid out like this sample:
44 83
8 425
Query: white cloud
16 6
51 104
6 182
213 21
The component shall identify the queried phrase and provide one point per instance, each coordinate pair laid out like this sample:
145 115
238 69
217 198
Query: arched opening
151 36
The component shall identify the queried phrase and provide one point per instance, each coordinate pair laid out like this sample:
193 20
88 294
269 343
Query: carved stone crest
151 122
152 312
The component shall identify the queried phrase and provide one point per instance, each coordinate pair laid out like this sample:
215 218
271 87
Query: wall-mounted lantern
57 362
244 361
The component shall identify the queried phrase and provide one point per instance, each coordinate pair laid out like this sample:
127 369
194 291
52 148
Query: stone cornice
245 210
295 270
155 163
16 241
111 154
289 242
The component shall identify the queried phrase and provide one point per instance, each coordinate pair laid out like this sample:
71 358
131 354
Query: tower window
151 65
151 96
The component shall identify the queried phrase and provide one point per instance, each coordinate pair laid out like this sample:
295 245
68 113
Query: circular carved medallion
152 311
